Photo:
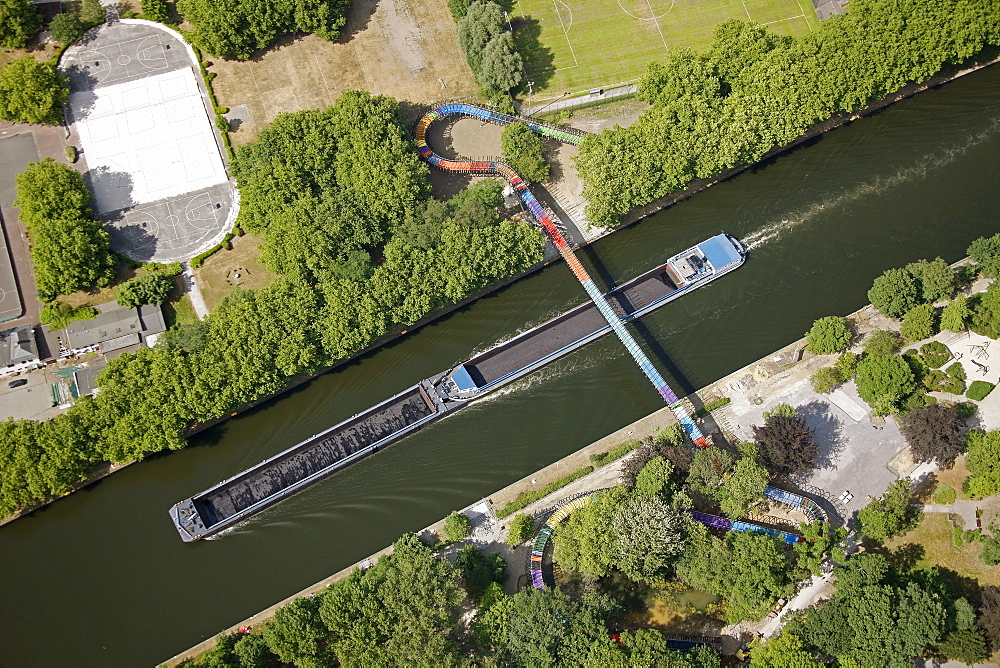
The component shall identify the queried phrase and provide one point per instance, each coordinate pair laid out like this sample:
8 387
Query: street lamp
530 92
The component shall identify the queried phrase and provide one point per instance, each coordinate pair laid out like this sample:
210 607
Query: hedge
525 498
979 389
614 453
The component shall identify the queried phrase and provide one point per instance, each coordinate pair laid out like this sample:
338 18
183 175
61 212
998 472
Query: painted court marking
555 5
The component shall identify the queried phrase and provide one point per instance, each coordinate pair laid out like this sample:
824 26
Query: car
18 383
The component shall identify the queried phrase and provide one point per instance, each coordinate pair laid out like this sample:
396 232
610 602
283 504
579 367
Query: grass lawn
215 276
570 46
934 535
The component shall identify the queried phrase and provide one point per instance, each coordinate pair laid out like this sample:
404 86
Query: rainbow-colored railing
499 168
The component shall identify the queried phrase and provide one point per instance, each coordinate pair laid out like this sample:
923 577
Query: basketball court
153 159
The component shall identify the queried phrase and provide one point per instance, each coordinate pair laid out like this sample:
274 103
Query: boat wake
880 184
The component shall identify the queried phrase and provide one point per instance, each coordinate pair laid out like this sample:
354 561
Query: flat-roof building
18 350
112 330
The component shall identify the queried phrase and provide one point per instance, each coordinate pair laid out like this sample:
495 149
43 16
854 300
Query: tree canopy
935 432
522 149
894 292
986 252
148 289
892 514
69 249
238 28
66 27
489 47
32 92
983 463
955 315
919 323
883 381
19 21
785 444
828 335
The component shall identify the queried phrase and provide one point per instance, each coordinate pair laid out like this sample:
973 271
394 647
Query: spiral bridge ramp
503 170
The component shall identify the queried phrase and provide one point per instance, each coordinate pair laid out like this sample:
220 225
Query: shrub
965 409
979 389
525 498
71 154
156 10
919 323
457 526
670 435
846 365
828 335
784 410
825 379
989 554
955 370
983 462
883 342
617 452
148 289
711 405
57 314
520 528
944 494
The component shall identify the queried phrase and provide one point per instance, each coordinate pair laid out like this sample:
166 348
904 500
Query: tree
655 479
522 149
824 379
989 552
784 651
65 27
846 365
649 537
457 526
252 652
828 335
986 252
894 292
458 8
520 528
707 469
32 92
19 21
919 323
157 10
935 280
482 22
479 569
968 646
891 514
746 484
883 342
500 67
92 13
148 289
57 314
819 540
955 315
297 634
70 250
935 433
785 444
983 463
883 381
986 312
988 618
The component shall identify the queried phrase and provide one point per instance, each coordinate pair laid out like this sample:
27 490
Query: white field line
746 10
555 6
656 22
800 16
808 22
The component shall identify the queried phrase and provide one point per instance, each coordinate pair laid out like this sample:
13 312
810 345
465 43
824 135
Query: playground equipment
807 506
499 168
716 522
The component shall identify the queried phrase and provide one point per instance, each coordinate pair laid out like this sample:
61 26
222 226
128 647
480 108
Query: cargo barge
288 472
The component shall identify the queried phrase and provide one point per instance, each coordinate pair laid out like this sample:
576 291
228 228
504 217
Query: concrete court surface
16 151
154 162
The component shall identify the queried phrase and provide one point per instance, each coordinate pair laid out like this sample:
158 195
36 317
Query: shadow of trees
538 58
827 432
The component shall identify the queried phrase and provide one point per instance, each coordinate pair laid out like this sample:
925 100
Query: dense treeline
753 90
237 28
360 248
404 611
489 47
69 249
32 92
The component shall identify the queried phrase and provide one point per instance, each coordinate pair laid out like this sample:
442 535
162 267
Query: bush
520 528
979 389
828 335
919 323
825 379
19 21
846 365
156 10
989 554
524 498
614 453
944 494
148 289
712 405
57 314
883 342
457 526
955 370
784 410
983 462
71 154
935 354
965 409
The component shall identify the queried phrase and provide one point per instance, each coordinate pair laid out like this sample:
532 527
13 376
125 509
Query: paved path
964 507
819 587
194 292
581 100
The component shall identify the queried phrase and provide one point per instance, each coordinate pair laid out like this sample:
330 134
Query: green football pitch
570 46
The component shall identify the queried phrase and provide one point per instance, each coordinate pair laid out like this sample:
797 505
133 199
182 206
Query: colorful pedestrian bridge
503 170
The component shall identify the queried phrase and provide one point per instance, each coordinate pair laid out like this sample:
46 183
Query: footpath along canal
101 577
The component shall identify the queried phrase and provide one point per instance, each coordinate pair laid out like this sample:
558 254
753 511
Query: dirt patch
227 270
402 48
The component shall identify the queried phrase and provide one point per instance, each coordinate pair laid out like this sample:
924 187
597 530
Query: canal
102 579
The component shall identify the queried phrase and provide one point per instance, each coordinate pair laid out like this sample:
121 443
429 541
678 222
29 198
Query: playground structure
716 522
503 170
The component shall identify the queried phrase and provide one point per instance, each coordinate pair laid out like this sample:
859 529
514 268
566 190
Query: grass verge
525 498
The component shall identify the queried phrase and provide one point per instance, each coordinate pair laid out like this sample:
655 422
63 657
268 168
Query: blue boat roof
463 380
720 251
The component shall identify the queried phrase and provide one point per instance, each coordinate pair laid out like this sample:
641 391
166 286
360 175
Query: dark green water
101 578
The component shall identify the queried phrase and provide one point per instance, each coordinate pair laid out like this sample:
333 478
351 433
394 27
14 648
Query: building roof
720 251
115 325
86 378
18 345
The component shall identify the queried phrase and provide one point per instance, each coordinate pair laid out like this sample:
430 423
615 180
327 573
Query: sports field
573 45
